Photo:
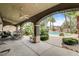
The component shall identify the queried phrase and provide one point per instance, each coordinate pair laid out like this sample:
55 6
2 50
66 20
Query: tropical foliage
70 21
51 20
69 24
44 33
28 29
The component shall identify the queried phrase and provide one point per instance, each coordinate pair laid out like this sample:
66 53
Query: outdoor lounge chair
5 35
3 49
16 35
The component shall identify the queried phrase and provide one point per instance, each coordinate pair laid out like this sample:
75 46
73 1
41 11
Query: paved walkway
24 48
57 41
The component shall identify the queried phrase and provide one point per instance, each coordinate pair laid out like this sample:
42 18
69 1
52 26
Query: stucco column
78 25
36 38
78 33
2 27
20 28
17 28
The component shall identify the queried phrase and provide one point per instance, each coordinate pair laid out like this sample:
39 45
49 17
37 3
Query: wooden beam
5 22
59 7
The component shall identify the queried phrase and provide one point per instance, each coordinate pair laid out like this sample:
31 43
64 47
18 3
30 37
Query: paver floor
24 47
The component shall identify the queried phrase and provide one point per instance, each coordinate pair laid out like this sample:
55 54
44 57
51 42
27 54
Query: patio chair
16 35
5 35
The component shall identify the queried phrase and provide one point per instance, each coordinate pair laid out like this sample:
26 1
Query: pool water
54 33
57 34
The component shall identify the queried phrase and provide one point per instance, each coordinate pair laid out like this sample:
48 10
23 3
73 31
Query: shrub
70 41
61 34
44 35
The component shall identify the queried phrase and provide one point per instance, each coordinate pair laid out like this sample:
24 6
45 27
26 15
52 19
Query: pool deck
56 34
23 47
57 41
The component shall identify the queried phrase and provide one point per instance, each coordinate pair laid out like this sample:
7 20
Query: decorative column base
36 39
78 33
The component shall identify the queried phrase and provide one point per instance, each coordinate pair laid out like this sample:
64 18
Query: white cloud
57 23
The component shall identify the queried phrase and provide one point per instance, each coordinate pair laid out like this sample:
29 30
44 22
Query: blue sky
59 19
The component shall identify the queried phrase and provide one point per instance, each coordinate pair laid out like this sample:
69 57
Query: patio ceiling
17 13
56 8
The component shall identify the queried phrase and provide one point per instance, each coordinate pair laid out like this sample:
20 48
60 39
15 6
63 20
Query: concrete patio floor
57 41
23 47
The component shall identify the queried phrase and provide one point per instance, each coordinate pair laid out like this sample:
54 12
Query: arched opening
59 25
28 29
61 22
10 28
0 27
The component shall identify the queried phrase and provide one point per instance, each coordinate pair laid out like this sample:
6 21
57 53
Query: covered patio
25 48
16 15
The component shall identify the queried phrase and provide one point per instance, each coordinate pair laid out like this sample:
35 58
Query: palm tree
51 20
71 15
66 23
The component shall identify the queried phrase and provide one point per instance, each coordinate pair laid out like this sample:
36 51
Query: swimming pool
54 33
57 34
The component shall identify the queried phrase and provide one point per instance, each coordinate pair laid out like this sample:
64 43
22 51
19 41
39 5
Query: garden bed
74 48
71 44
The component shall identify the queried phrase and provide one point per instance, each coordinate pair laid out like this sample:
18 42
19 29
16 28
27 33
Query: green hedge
70 41
44 35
